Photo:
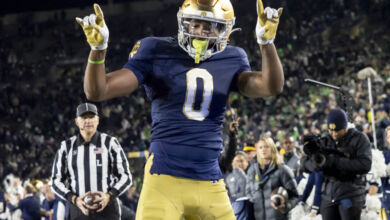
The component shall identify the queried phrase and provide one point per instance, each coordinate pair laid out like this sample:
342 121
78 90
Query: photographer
344 156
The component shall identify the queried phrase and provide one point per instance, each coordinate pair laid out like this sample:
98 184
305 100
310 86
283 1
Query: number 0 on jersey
208 86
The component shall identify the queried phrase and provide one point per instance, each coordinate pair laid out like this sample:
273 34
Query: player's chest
184 74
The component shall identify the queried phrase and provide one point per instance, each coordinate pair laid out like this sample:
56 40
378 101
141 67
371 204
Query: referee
90 162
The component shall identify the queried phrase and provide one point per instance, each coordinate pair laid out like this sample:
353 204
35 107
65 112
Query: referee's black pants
347 209
111 212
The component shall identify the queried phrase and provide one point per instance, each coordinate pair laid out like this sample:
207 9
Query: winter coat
292 160
235 183
260 185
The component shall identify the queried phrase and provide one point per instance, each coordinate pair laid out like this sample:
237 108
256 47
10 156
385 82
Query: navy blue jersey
188 104
30 207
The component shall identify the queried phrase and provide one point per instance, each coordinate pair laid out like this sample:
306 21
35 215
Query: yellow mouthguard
199 46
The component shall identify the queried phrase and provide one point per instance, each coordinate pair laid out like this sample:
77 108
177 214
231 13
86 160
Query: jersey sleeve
244 62
141 59
244 65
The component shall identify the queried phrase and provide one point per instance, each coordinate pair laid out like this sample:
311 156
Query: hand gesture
233 126
95 29
267 23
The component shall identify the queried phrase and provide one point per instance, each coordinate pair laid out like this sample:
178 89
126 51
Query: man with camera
344 156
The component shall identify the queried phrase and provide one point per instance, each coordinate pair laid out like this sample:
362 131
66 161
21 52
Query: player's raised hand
267 23
95 29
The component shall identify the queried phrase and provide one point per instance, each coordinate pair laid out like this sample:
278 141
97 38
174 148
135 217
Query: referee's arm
121 169
60 174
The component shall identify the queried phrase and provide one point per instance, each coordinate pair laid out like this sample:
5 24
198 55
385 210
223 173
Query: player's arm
98 85
270 80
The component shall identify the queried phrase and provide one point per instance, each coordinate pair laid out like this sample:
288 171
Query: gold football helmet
216 18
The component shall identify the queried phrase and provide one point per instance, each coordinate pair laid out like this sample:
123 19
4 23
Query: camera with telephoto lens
316 147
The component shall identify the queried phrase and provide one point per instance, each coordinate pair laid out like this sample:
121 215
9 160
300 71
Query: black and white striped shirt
99 165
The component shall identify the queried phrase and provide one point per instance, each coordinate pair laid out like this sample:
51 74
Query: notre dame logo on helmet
332 126
135 49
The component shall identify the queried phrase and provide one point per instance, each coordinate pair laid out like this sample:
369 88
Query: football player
188 80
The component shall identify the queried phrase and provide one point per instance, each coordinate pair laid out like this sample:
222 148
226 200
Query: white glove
267 23
95 29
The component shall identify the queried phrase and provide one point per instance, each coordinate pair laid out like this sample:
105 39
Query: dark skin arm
99 86
267 82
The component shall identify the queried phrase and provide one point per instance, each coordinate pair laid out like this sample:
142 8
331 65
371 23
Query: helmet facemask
202 35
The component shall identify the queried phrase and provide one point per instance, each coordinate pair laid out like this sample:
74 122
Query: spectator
266 175
290 157
236 180
250 151
236 186
228 153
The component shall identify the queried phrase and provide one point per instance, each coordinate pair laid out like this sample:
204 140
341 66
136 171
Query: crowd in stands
42 66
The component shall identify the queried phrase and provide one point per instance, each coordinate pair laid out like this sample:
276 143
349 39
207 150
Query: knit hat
337 119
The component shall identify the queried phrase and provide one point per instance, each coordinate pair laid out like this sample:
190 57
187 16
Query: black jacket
344 176
226 158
